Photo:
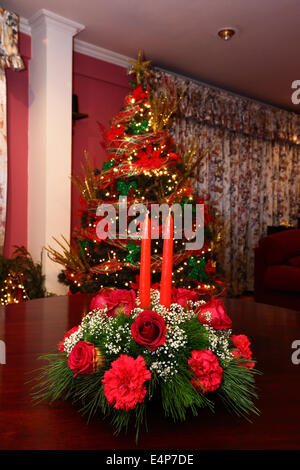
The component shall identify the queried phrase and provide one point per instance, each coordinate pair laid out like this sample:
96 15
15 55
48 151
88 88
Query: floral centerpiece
121 356
165 343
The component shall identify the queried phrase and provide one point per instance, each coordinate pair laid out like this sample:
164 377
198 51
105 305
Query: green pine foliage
238 389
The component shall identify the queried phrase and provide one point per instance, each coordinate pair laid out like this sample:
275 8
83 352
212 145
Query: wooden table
35 327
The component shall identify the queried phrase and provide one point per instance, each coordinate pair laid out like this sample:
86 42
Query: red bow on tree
115 132
139 94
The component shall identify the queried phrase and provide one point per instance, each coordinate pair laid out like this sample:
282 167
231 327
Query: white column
50 134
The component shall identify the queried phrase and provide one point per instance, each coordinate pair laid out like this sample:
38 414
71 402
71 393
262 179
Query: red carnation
205 367
81 359
219 318
116 300
61 346
182 296
124 382
149 329
242 343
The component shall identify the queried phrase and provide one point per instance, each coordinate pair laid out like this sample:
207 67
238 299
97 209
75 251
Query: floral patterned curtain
252 173
9 58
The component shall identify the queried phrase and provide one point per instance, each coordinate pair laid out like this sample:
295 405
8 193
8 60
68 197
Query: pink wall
17 132
101 88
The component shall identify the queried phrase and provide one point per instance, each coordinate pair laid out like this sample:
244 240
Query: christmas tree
144 166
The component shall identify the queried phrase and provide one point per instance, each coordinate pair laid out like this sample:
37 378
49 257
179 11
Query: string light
13 290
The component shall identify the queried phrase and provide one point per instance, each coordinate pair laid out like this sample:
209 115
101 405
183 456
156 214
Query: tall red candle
167 264
145 273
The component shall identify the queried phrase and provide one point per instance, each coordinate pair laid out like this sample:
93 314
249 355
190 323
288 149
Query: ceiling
261 61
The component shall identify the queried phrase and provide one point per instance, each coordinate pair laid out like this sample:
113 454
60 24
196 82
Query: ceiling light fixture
226 33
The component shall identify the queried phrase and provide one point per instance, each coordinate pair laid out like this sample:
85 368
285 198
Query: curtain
9 58
251 174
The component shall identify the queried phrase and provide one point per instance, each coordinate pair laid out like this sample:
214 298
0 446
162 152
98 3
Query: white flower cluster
155 295
198 303
207 316
166 363
118 341
135 312
176 338
219 343
70 342
165 369
94 323
176 314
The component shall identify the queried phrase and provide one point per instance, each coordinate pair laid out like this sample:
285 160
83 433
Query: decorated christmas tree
145 166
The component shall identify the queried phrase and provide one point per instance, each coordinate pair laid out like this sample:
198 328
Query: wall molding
24 26
86 48
53 20
100 53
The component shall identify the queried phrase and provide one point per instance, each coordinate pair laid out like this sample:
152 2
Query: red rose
81 359
117 301
219 318
205 367
182 296
242 343
124 382
100 300
61 347
149 329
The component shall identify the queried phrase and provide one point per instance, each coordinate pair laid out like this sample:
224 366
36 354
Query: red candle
145 274
167 264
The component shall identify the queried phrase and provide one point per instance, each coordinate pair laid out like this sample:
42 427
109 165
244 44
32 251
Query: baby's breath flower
164 369
219 343
72 340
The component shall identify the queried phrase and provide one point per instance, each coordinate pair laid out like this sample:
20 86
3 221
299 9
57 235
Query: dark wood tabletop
35 327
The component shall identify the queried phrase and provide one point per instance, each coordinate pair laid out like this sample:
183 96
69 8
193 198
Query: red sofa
277 269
